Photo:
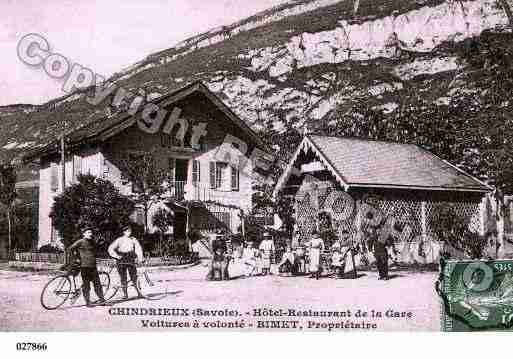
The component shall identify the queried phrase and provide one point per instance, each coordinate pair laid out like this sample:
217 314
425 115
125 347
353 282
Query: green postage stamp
476 295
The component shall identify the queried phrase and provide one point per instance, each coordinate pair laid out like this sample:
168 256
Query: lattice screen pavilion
406 185
418 212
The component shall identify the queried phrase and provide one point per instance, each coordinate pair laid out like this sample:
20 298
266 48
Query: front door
181 170
181 167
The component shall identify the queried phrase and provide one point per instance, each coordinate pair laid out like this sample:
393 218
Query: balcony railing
196 191
177 189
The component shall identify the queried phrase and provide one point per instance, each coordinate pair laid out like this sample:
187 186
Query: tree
486 101
473 129
8 194
162 219
148 181
284 207
23 226
91 202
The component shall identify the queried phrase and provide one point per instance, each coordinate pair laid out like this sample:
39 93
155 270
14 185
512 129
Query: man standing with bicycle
127 251
86 247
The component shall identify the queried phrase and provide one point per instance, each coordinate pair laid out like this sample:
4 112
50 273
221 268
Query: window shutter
165 140
235 178
219 174
54 177
77 167
213 176
171 166
196 171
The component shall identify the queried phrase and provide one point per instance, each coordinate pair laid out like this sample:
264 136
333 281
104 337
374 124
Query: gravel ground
20 309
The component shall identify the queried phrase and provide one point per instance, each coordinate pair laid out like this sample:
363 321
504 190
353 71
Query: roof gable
104 128
364 163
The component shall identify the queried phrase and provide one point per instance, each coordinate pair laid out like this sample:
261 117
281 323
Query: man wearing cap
266 252
86 247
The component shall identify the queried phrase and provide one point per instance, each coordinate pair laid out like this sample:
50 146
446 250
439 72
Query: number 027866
28 346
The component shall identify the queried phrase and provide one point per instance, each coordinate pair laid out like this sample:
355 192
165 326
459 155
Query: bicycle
146 287
59 289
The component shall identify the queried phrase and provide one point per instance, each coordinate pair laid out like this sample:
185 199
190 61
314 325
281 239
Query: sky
104 35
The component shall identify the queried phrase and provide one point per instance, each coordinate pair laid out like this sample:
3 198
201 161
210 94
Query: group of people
126 250
299 260
310 258
341 257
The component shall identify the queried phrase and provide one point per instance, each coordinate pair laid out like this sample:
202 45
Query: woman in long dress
346 261
316 247
266 252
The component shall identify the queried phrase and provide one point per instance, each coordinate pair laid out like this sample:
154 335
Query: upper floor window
169 140
224 177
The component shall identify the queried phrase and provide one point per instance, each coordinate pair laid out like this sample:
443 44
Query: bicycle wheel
56 292
151 289
111 293
105 282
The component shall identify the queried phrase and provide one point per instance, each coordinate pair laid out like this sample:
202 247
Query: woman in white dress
316 247
266 252
250 256
346 257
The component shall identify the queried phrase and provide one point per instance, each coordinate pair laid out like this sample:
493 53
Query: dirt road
276 298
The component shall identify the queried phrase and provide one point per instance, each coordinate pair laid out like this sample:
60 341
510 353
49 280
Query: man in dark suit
379 249
87 248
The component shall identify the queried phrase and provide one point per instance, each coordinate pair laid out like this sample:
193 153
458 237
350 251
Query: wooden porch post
358 220
423 219
482 215
500 229
242 224
187 234
63 162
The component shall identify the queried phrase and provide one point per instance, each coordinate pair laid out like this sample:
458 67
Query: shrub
91 202
453 229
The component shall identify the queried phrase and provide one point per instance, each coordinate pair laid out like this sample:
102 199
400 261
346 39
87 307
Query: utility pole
63 161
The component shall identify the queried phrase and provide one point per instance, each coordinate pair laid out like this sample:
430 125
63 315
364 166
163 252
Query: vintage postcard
273 165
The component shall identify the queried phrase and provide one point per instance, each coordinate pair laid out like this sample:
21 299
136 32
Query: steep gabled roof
105 127
377 164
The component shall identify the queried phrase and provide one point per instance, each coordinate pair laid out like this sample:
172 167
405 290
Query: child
286 264
250 256
337 261
300 261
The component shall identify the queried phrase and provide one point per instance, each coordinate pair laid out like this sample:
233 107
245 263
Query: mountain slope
293 64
